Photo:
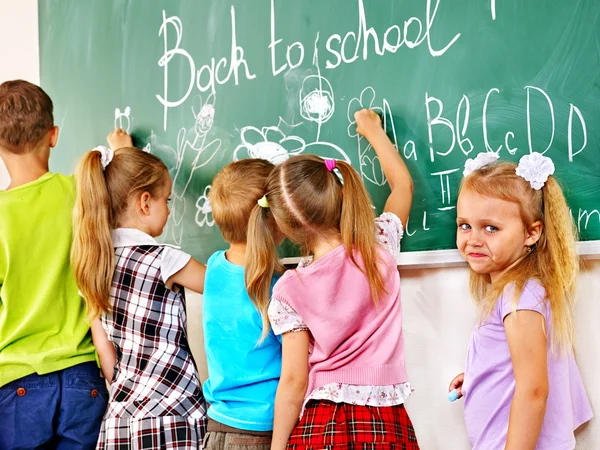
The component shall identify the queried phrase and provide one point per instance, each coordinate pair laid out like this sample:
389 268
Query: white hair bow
481 160
107 155
535 168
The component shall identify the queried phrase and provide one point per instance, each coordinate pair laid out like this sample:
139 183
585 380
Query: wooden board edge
588 250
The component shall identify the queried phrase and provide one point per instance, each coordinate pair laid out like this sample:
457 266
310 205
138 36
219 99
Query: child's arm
105 349
292 386
399 202
191 276
528 350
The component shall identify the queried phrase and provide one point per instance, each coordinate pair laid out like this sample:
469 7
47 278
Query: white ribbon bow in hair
480 161
535 168
107 155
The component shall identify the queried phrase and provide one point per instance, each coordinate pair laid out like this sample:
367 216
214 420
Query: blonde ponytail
261 263
92 254
102 198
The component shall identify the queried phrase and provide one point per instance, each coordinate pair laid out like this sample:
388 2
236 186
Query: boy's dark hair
26 115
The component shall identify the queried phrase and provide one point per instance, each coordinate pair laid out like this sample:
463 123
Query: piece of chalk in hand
453 395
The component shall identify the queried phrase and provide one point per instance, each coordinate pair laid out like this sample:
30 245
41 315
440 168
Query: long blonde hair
552 260
306 202
102 198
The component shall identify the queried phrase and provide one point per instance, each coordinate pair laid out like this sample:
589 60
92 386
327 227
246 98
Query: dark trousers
60 410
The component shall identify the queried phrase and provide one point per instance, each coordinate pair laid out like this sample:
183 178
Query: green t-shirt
43 322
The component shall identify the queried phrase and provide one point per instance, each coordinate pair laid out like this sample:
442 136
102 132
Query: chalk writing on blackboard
123 118
415 31
370 168
458 128
204 210
196 143
316 103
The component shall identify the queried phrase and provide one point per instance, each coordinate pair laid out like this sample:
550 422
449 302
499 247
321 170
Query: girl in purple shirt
521 385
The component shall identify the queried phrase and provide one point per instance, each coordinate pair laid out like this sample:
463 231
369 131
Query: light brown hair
26 115
102 198
307 202
552 260
234 193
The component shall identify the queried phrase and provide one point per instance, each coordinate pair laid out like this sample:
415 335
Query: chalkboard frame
430 259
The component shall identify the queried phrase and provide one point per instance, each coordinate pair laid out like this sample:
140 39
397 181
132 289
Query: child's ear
53 136
145 203
534 232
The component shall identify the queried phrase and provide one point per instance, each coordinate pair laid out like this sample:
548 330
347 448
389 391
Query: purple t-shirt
489 383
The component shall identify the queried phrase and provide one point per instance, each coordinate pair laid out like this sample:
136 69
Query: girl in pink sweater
339 312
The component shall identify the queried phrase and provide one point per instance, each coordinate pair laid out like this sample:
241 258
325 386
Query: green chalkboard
201 83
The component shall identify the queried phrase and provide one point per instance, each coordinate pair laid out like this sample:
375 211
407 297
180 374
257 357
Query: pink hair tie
330 164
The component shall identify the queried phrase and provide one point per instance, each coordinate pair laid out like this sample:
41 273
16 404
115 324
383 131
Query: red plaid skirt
329 425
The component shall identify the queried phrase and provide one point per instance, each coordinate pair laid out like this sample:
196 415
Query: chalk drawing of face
317 102
270 143
205 116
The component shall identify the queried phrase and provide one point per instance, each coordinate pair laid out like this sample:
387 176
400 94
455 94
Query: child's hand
119 139
457 384
368 123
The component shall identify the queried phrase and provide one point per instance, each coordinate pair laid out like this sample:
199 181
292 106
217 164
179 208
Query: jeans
61 410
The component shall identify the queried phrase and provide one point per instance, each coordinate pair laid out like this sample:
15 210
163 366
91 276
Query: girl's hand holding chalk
453 395
119 139
368 123
456 388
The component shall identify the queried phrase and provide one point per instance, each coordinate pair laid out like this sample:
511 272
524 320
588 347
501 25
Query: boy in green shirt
51 391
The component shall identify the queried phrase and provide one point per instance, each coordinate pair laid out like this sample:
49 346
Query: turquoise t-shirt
43 322
242 376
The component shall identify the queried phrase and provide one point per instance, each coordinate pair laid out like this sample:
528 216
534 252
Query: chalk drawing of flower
317 102
366 100
204 210
268 143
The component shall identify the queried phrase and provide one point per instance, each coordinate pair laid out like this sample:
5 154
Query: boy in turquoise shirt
243 370
51 391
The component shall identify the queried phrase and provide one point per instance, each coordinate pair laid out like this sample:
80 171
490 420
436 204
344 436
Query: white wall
438 315
438 320
18 49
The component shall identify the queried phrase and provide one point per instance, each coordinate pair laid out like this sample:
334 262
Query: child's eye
464 226
491 228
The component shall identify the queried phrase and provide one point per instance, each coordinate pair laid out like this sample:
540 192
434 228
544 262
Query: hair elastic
330 164
107 155
263 202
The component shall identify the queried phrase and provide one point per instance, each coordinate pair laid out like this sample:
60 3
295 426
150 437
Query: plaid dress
156 399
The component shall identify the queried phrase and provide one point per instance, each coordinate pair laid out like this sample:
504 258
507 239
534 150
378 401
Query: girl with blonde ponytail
521 386
133 284
343 301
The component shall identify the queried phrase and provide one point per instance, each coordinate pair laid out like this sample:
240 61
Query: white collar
130 237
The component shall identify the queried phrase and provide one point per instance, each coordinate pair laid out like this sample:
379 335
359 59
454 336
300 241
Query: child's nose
475 238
